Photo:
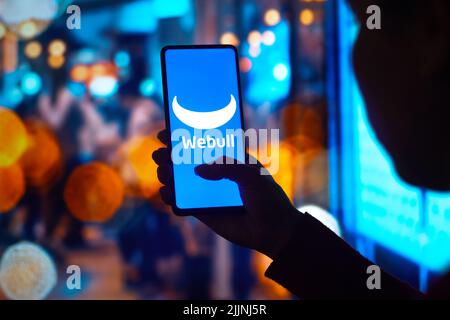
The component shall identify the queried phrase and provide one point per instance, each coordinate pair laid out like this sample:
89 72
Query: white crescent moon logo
204 120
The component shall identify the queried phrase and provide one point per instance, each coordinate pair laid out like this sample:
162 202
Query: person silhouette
403 71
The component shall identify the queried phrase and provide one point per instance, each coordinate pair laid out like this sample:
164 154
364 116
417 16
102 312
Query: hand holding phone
203 103
204 117
267 218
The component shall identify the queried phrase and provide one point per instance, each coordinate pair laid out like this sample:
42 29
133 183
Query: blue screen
205 119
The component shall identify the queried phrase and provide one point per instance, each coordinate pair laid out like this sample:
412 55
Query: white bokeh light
27 272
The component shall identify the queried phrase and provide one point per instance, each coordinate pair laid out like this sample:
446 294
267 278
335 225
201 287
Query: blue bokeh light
31 83
77 89
147 87
13 97
122 59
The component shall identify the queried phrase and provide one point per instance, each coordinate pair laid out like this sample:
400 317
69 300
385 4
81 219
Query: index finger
164 136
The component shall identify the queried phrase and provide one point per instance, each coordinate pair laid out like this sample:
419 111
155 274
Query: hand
268 217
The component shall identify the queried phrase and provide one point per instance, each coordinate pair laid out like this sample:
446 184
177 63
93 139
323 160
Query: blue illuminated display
202 80
377 204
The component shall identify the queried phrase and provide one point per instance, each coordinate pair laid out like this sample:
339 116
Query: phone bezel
175 208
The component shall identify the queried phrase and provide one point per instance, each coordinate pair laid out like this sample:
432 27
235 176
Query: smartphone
203 109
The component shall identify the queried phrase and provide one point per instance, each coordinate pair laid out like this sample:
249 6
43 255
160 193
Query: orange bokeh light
33 49
306 17
56 62
12 187
13 137
94 192
80 73
103 69
282 164
254 38
229 38
42 160
272 17
245 64
136 167
57 48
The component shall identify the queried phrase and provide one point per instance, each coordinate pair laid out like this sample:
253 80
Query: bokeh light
94 192
12 186
122 59
268 38
27 272
281 164
103 86
80 73
147 87
285 176
254 51
33 49
56 62
103 69
13 137
280 72
28 29
272 17
77 89
306 17
136 169
245 64
57 48
229 38
14 96
31 83
254 38
41 162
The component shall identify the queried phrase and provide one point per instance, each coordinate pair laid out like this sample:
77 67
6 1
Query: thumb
242 173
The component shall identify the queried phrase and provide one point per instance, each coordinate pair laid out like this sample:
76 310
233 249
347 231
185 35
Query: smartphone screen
203 113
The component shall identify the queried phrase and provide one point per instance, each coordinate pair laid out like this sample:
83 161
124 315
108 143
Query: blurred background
80 109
